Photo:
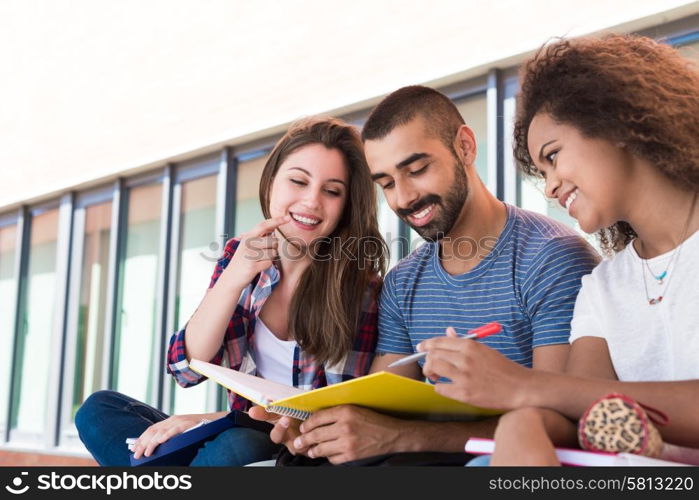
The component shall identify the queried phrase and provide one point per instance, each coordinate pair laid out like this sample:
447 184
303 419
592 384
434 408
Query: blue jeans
107 418
480 461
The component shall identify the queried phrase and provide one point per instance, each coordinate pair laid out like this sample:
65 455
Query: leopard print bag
616 423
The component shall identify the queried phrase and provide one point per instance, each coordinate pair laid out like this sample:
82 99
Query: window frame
210 165
17 219
64 205
68 434
162 176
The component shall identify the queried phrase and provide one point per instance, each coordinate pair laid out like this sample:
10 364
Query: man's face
422 180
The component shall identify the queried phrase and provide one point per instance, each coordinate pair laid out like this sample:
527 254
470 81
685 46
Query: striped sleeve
551 287
394 337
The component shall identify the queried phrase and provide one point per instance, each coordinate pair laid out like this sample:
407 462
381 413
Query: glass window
196 263
89 347
415 240
389 228
247 209
135 335
8 294
29 407
474 111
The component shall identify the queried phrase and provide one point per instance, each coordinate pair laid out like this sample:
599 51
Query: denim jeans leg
236 446
106 419
480 461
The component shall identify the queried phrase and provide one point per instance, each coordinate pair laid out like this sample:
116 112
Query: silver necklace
675 254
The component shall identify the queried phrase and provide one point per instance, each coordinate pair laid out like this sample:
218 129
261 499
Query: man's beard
449 207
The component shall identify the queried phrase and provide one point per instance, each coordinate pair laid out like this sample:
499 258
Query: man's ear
465 145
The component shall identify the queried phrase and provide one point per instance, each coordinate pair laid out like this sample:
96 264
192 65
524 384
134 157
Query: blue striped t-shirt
528 283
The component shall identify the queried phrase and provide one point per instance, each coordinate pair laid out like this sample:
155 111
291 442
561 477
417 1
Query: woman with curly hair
611 124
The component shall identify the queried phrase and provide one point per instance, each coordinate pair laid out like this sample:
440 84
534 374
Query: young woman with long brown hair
292 300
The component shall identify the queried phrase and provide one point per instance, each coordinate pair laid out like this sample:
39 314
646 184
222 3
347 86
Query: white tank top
274 357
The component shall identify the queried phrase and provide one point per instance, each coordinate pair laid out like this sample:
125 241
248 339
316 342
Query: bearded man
483 261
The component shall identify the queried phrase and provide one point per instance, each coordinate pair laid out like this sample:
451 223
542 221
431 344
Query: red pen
476 333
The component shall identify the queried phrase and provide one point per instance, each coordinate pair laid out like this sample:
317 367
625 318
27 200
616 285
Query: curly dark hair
623 88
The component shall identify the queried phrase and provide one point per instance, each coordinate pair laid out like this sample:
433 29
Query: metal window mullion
681 40
173 279
158 359
21 264
511 187
404 243
119 225
496 128
58 337
73 319
226 193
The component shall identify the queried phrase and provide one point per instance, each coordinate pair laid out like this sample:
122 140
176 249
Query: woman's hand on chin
257 250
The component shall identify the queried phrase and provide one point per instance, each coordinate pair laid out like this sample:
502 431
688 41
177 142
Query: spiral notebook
182 448
384 392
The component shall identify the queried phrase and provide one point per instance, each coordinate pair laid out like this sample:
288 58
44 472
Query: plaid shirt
234 352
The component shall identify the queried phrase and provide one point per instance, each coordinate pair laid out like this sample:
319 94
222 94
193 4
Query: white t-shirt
646 342
274 357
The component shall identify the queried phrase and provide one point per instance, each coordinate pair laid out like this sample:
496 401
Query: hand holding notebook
384 392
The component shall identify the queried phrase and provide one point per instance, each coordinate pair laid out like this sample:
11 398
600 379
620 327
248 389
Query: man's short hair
441 117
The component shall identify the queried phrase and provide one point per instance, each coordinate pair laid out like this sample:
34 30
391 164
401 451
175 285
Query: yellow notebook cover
383 391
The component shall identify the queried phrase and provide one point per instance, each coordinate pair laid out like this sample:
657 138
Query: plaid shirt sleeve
177 364
358 361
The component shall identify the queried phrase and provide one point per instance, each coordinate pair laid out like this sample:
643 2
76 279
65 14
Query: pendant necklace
675 254
658 277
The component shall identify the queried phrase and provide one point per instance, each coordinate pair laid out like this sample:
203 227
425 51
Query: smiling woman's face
588 177
310 186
